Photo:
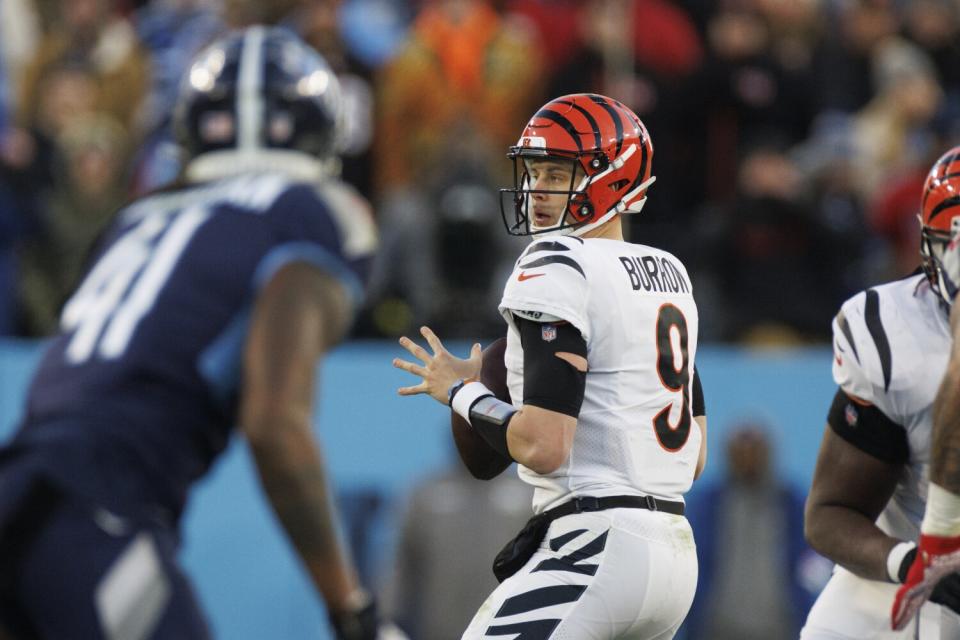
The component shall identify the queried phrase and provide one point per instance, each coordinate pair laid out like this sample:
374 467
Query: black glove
947 591
360 624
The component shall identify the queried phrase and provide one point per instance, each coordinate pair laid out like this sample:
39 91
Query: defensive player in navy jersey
207 306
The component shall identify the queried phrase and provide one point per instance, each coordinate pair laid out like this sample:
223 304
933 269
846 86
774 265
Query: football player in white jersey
870 486
939 539
605 415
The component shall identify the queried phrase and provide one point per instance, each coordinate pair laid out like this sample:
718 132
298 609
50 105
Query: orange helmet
604 140
940 217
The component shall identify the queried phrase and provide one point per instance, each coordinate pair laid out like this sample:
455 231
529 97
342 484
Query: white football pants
850 607
617 574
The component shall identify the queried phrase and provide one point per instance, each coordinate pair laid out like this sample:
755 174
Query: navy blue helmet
256 99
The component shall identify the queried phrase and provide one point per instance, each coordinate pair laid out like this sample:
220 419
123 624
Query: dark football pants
72 570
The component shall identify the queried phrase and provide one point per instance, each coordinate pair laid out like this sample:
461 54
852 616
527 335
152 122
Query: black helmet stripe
638 126
948 203
590 119
600 100
640 131
553 116
926 194
945 161
643 168
249 95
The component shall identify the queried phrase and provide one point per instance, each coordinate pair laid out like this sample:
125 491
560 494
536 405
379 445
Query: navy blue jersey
138 393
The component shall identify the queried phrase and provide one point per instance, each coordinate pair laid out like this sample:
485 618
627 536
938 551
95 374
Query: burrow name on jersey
654 274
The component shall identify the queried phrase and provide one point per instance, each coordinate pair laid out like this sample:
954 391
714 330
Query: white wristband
895 559
466 396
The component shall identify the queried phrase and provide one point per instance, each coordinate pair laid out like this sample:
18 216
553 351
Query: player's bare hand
440 369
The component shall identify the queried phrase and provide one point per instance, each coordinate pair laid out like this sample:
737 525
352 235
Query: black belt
589 503
518 551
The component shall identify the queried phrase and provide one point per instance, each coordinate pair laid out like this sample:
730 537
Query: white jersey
891 345
634 306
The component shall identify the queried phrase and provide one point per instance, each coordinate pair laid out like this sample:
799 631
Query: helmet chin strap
578 232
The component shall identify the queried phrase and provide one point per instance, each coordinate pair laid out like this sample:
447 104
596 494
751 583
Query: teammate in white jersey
606 415
869 491
939 539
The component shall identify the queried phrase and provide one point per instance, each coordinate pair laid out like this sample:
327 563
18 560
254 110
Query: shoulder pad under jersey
550 278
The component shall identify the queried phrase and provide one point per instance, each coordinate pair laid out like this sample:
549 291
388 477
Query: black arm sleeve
868 429
698 405
490 417
550 382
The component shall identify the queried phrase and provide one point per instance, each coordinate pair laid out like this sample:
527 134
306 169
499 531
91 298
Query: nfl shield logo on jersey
850 414
548 332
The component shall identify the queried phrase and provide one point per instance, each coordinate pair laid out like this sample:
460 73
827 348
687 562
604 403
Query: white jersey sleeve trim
536 316
548 313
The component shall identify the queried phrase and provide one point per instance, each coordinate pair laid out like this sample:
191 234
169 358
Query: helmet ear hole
618 185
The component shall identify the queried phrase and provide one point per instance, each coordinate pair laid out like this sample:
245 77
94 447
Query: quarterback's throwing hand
439 370
931 576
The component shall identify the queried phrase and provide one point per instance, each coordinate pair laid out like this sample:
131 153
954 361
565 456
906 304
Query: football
482 460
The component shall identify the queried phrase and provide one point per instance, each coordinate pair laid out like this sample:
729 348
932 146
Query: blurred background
791 142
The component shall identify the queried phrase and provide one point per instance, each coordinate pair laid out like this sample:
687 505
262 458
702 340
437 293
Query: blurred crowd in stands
791 138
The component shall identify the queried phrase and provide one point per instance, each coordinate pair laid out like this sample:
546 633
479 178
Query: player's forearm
540 439
945 443
850 539
293 477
